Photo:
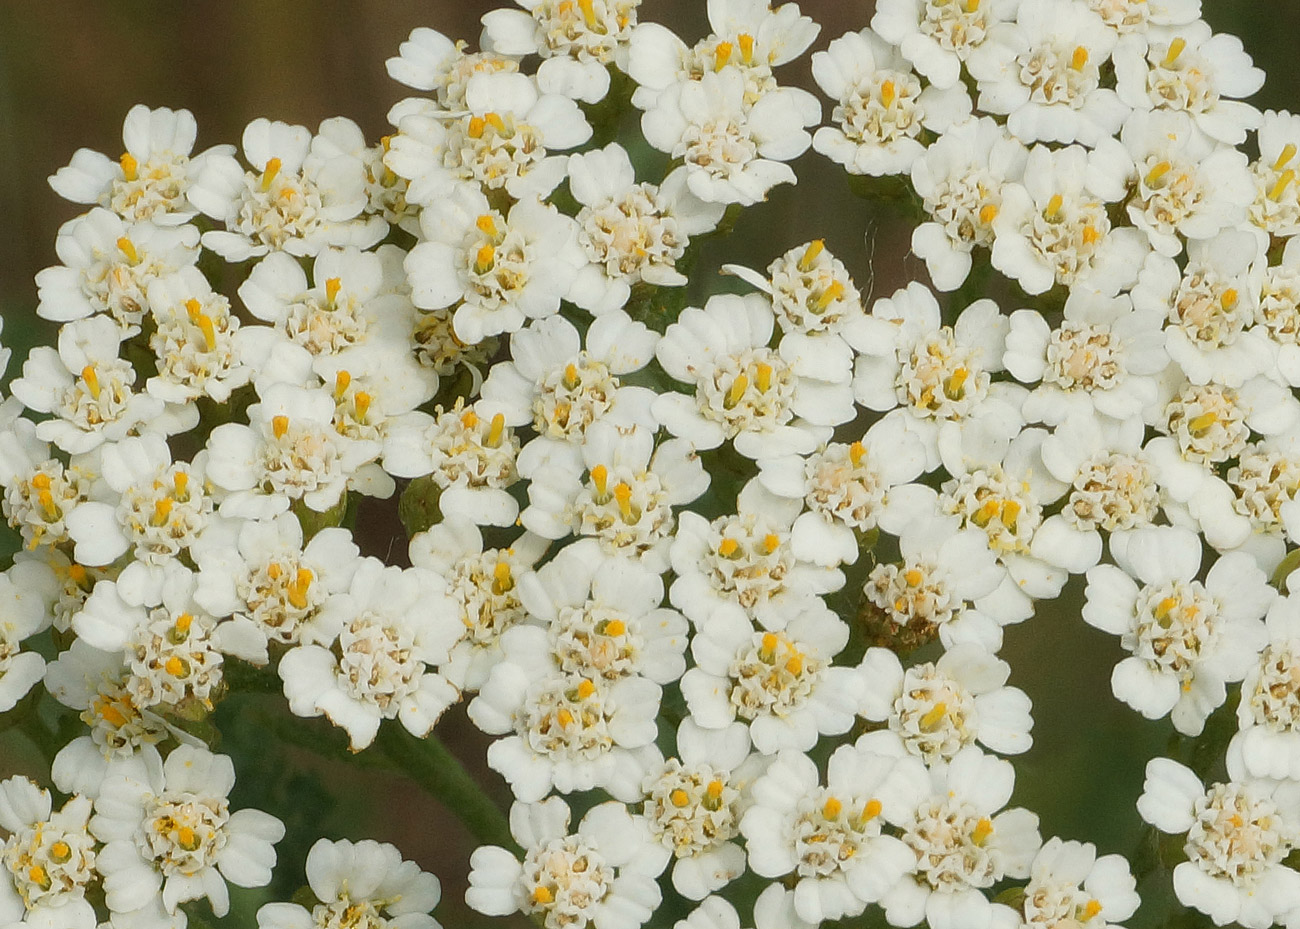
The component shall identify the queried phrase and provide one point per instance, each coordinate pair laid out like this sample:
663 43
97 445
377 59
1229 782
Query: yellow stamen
888 93
279 426
738 388
857 451
1282 184
269 172
127 248
1010 513
571 376
588 13
771 542
77 573
1175 49
953 384
971 6
40 480
162 510
768 648
721 55
746 42
1287 153
1157 172
91 379
988 213
110 714
1090 234
484 258
130 167
615 627
831 808
623 494
679 797
913 577
175 666
1079 58
496 122
476 127
194 309
298 589
60 851
341 382
469 419
332 287
184 621
1091 909
714 790
36 874
46 500
833 292
542 895
728 547
983 829
486 224
273 571
795 665
502 581
1197 425
585 689
764 377
599 475
1165 607
496 430
1054 207
1228 299
815 248
208 330
930 721
872 809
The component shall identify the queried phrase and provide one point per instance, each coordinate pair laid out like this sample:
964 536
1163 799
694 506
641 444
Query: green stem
428 762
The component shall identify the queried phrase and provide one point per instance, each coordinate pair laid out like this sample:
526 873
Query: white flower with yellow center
198 343
829 838
359 885
846 489
497 270
632 233
565 731
960 842
577 40
560 388
1265 482
108 265
880 107
734 151
90 391
1277 312
483 587
1237 834
937 708
619 487
1053 227
1044 74
694 803
150 180
768 402
1103 357
1186 67
1185 185
380 665
601 876
938 36
1135 16
810 289
781 683
604 616
261 571
1068 884
1268 717
942 568
168 830
960 179
48 858
303 193
430 61
1186 639
40 491
937 376
747 560
1276 209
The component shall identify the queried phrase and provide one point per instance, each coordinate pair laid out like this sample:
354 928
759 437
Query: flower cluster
736 573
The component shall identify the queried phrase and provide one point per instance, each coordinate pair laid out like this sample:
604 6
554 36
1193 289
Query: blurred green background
69 71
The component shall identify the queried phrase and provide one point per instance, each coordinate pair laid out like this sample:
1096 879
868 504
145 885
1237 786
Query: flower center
1275 700
1208 423
692 809
997 503
830 830
843 485
1236 835
49 865
567 716
564 881
377 663
952 849
940 378
571 398
597 641
1084 356
749 392
772 676
1177 622
183 833
631 235
627 510
934 715
1113 491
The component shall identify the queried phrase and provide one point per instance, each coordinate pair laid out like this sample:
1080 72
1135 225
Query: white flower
938 708
830 837
961 843
734 152
1126 16
25 600
173 831
1267 741
694 803
1101 358
483 586
631 233
1044 73
1067 881
880 108
1185 184
622 490
564 731
603 616
303 193
428 60
108 265
960 179
379 666
937 36
1186 640
1276 209
810 289
150 180
602 876
198 343
781 683
769 402
48 858
1278 309
774 909
364 882
1237 835
497 270
1185 67
39 491
1053 228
